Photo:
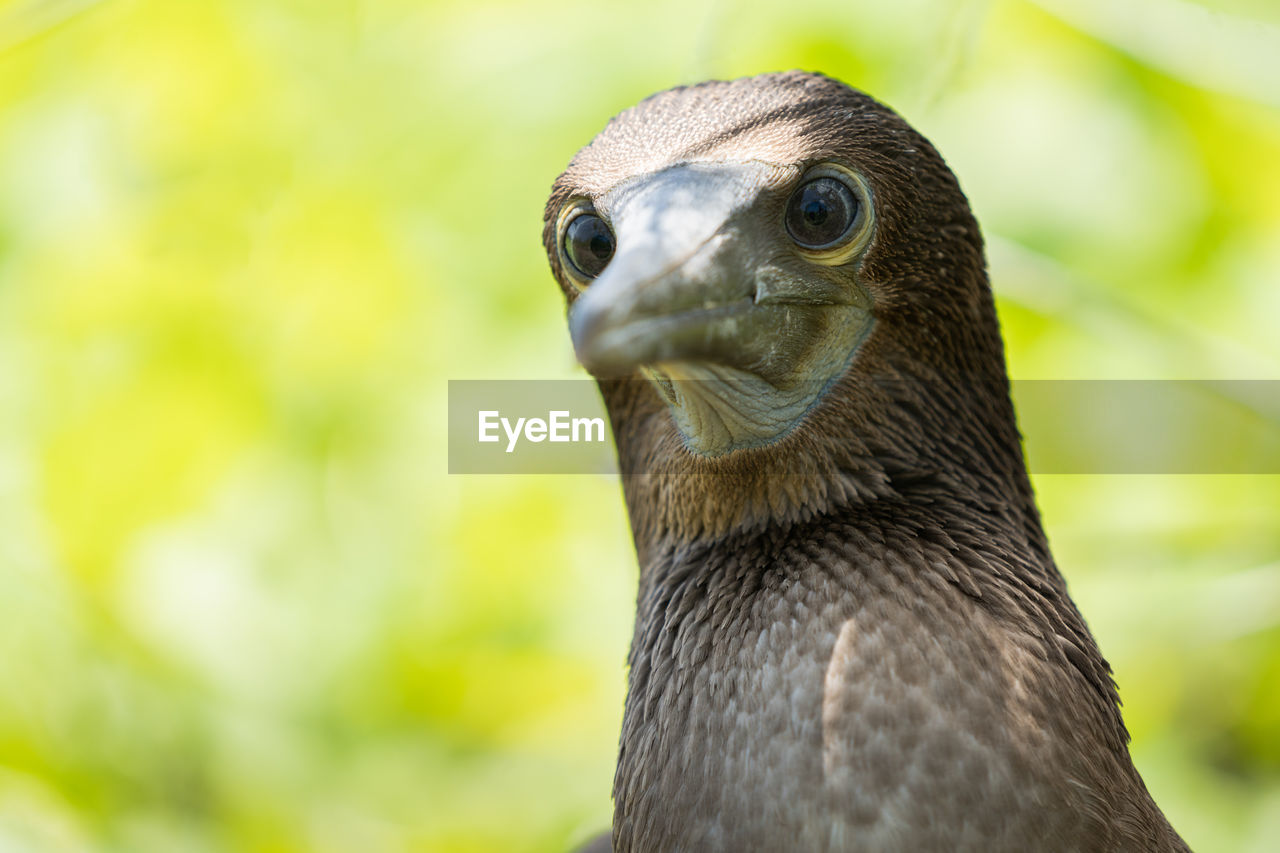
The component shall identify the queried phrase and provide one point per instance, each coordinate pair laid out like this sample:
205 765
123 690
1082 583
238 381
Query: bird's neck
797 679
897 436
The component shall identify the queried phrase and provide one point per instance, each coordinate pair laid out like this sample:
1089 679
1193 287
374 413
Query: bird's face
713 239
731 283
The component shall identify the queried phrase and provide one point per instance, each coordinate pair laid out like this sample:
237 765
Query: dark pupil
815 213
601 246
589 244
821 212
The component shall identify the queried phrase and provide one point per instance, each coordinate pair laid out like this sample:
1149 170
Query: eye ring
587 243
829 215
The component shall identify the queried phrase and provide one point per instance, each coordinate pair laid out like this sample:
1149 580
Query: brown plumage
851 634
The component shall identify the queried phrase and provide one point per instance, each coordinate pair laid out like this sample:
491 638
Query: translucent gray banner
1068 427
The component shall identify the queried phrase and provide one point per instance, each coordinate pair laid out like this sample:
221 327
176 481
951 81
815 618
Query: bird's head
758 248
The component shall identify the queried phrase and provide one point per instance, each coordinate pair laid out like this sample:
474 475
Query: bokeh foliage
244 244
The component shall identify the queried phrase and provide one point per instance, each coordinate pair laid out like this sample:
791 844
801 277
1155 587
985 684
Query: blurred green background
244 244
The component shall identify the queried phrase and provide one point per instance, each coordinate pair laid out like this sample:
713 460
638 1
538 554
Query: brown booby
851 634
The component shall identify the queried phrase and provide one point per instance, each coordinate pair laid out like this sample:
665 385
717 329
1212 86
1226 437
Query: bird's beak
684 283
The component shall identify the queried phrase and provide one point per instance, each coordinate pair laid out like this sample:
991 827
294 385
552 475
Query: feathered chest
818 691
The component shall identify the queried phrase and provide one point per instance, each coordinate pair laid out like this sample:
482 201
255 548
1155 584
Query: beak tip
588 329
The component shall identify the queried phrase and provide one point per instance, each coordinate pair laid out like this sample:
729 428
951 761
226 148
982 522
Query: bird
850 633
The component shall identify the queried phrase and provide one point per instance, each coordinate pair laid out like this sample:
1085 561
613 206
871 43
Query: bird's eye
589 244
821 213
